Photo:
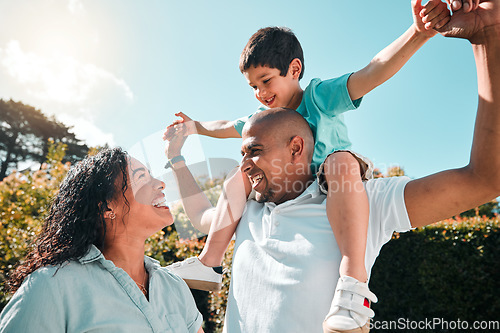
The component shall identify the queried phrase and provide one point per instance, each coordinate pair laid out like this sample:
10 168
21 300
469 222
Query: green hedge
448 271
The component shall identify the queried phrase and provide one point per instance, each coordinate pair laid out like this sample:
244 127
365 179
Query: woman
87 271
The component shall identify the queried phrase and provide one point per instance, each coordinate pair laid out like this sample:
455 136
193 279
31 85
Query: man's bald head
282 124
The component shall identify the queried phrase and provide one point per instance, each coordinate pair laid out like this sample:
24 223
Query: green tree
24 134
24 201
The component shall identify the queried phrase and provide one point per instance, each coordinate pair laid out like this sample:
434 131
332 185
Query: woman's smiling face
147 210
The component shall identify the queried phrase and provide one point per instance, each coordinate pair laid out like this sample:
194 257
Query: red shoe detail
366 303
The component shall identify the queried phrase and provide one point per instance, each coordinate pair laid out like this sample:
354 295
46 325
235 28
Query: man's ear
297 148
295 68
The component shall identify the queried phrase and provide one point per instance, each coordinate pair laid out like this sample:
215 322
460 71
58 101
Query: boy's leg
205 272
228 212
347 211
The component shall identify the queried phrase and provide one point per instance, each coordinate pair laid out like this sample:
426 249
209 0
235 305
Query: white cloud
88 132
75 6
59 78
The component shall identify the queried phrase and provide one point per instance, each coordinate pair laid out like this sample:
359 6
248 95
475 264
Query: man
285 254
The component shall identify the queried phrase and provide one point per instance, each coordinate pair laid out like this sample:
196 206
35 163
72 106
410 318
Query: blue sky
119 69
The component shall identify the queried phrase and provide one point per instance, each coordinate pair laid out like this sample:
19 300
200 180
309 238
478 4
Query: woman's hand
176 136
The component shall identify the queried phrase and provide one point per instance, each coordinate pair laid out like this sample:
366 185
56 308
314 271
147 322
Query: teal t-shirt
322 106
93 295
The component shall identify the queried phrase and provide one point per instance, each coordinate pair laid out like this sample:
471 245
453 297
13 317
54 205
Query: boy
273 63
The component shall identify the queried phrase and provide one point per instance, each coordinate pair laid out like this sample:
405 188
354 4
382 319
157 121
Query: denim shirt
93 295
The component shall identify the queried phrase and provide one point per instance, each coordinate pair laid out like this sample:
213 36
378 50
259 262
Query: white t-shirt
286 260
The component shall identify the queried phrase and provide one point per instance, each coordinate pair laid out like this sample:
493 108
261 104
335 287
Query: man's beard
266 196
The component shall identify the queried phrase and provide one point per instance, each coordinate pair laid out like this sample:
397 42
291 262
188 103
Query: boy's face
274 90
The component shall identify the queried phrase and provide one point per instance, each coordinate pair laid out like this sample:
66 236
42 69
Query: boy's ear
295 68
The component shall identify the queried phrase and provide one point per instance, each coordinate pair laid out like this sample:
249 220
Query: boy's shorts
365 165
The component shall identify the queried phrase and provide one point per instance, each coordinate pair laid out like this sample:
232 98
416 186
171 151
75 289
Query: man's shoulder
387 203
384 186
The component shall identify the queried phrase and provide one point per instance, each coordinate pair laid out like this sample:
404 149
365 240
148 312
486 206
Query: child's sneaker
198 276
350 311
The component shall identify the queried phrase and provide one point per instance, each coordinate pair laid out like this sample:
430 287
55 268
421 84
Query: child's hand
190 126
467 5
433 15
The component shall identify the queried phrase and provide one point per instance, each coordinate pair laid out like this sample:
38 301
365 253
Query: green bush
447 270
24 199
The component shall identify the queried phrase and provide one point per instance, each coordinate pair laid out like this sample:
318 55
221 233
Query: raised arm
196 205
450 192
390 60
221 129
198 208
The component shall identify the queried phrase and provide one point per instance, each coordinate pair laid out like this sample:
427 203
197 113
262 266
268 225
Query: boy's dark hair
275 47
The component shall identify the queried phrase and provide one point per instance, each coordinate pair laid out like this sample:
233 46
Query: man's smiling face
265 159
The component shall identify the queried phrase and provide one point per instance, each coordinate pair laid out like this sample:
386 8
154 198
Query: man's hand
176 136
449 192
473 24
433 15
467 5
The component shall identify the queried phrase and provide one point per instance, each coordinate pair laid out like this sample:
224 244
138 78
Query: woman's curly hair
76 216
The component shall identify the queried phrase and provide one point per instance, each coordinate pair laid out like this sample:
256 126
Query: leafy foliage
489 209
395 171
447 270
24 135
24 201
